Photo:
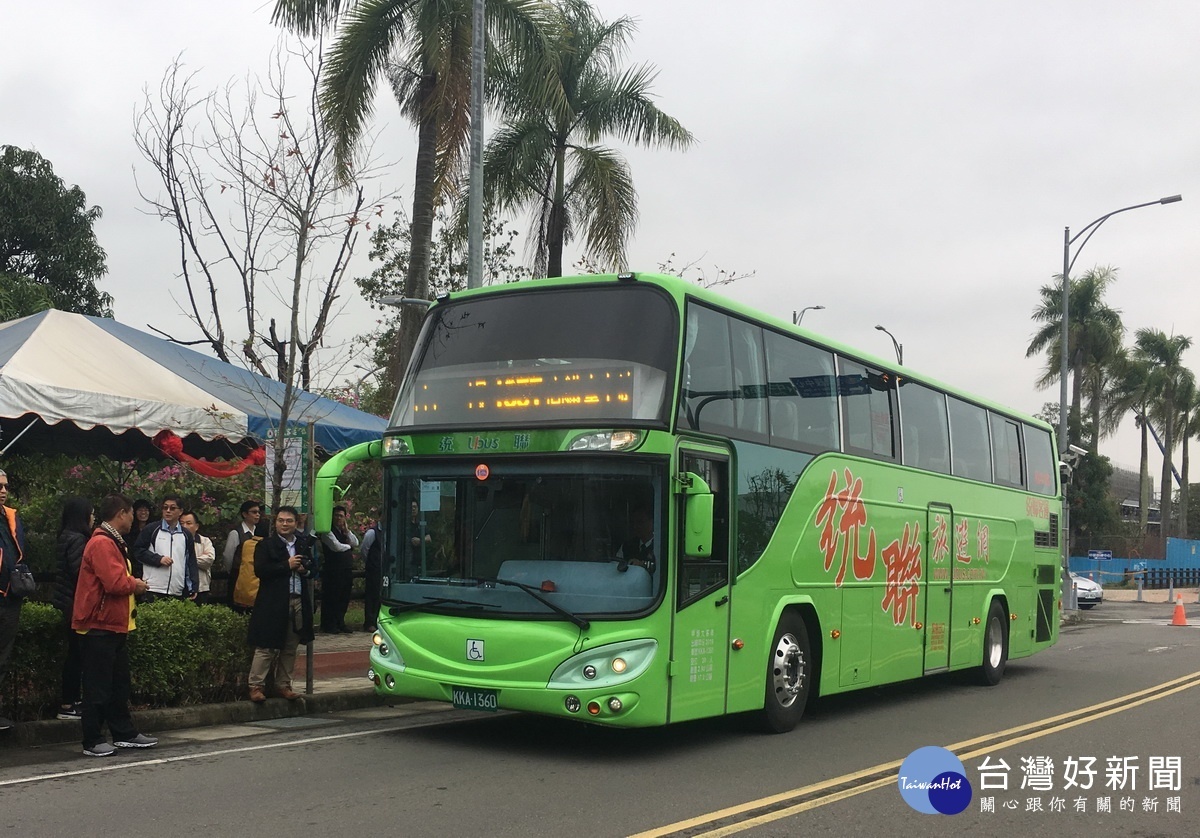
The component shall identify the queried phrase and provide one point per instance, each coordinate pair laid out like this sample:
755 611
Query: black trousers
10 619
106 687
336 579
374 581
72 672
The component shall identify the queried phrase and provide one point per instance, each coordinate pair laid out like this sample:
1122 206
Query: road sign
1099 554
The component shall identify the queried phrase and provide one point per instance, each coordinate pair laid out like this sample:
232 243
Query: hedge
180 654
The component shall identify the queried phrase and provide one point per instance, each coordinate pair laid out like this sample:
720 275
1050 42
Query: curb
59 731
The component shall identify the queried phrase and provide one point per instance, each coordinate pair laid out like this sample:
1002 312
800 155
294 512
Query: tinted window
925 434
708 390
766 478
868 399
1006 451
1041 460
802 394
972 453
749 380
566 356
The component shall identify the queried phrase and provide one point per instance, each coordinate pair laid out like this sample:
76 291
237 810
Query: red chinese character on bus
903 560
984 547
961 537
842 515
941 543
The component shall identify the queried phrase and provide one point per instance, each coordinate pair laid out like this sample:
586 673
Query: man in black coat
282 617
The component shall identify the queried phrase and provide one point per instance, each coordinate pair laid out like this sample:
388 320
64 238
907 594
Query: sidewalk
340 664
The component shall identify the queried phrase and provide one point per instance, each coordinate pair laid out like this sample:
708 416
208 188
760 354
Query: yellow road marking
1004 738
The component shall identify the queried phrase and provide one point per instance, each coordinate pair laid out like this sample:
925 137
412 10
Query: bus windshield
566 356
538 537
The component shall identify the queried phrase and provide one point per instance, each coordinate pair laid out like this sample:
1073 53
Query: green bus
628 500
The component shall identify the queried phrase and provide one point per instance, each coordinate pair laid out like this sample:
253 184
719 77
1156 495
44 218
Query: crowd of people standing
113 557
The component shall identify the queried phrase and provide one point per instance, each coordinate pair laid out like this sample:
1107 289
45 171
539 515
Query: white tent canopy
96 372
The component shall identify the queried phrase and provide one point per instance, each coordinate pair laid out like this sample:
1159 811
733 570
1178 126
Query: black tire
995 646
789 676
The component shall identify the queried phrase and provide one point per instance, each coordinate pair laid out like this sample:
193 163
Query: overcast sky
910 164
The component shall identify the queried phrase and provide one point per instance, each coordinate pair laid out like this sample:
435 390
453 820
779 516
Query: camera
306 564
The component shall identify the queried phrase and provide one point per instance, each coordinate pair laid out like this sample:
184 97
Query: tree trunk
557 231
1182 527
1144 481
1165 491
416 282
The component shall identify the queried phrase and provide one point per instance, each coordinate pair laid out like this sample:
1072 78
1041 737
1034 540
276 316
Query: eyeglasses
168 507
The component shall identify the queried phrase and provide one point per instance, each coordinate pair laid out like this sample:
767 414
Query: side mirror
697 518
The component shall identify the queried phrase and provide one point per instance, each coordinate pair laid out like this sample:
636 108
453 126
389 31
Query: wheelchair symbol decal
474 650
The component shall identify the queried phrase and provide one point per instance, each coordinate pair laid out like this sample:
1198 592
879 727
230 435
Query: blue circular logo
933 781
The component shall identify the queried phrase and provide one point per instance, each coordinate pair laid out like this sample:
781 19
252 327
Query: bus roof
681 290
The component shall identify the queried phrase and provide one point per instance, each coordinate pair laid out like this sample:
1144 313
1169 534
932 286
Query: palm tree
424 48
1167 382
1189 427
1094 340
547 154
1130 393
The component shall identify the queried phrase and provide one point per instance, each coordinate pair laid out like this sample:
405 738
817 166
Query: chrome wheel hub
787 670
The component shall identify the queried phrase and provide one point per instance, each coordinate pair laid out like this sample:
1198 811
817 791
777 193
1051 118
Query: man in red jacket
104 615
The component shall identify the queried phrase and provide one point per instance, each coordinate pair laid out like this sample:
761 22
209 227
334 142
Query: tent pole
18 436
310 481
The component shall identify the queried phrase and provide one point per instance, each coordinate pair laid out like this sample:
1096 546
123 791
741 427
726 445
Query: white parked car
1087 593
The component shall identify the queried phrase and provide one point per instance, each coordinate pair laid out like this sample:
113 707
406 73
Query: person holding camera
282 618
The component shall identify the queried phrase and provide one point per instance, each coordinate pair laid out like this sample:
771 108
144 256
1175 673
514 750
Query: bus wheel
789 676
995 646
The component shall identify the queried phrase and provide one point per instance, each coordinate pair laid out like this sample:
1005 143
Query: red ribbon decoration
172 446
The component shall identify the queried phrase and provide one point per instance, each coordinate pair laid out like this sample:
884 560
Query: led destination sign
601 393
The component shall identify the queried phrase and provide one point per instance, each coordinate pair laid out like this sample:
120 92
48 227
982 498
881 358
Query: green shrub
180 654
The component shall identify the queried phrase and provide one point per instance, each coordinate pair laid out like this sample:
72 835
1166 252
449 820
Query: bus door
700 628
939 585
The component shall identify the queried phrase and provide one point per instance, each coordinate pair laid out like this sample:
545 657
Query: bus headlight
605 666
385 653
393 445
606 441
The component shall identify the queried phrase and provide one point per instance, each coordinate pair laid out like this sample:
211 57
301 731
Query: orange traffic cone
1180 618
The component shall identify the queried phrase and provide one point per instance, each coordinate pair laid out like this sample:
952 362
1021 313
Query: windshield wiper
429 601
536 594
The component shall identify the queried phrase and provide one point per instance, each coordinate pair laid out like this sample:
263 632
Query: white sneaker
139 741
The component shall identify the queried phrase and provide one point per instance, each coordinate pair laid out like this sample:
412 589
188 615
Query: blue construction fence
1181 567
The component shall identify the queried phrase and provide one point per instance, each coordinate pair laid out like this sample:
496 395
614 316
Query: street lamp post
797 316
899 347
1068 263
1064 442
358 384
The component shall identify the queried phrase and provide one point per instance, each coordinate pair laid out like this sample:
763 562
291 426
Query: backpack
246 590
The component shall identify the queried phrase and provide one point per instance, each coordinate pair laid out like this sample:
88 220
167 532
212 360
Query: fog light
589 672
618 665
614 704
572 704
383 649
372 677
594 708
390 681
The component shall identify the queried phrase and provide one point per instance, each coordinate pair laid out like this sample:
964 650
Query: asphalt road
1121 685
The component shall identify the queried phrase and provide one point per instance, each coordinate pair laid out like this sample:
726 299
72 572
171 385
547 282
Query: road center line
869 779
